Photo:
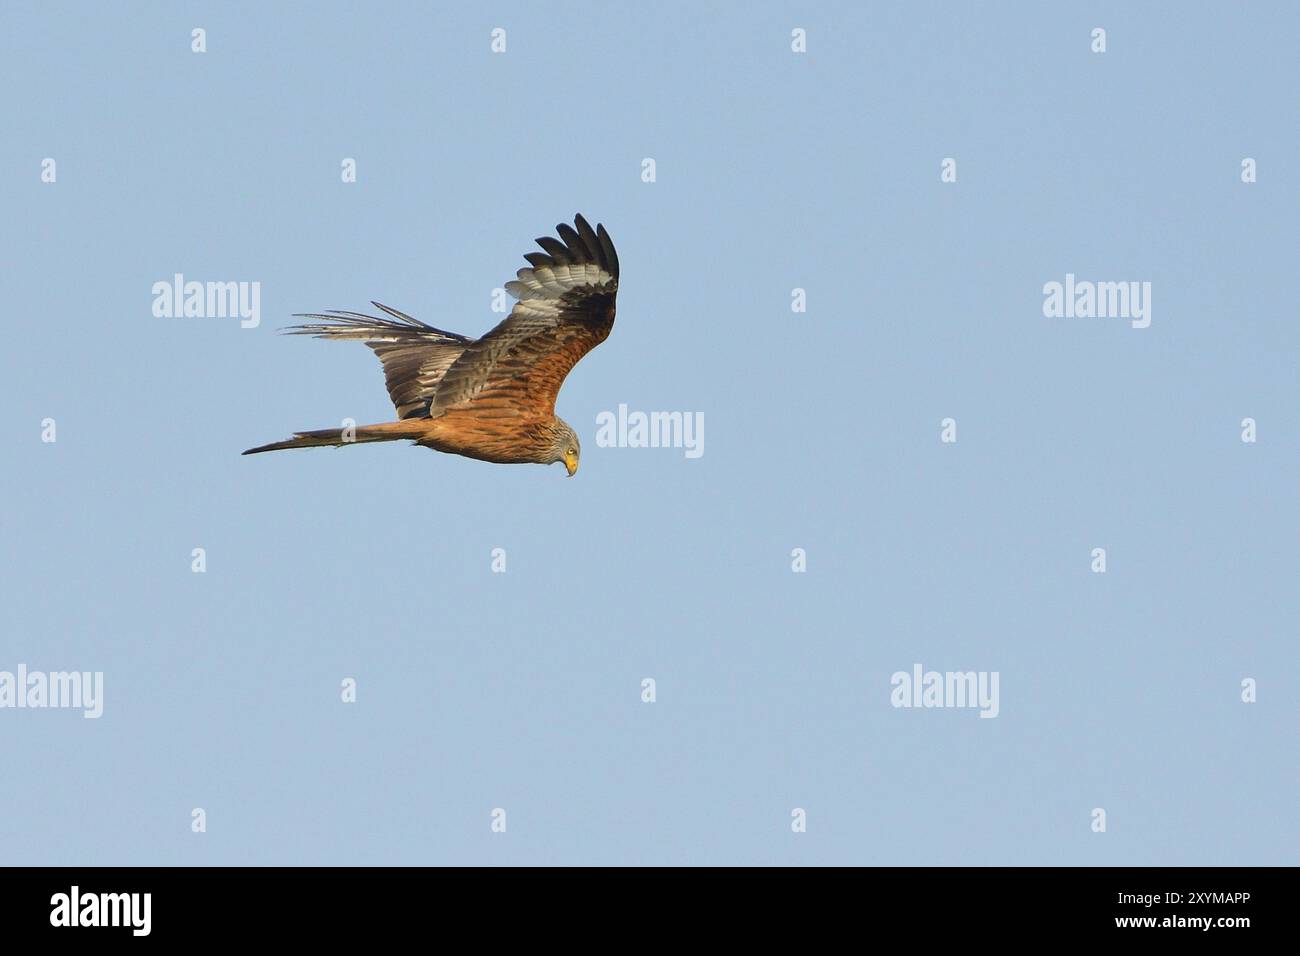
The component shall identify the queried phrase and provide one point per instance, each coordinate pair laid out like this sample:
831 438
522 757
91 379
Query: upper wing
415 355
565 309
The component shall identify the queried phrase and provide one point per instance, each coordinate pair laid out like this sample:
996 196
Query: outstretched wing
415 356
565 309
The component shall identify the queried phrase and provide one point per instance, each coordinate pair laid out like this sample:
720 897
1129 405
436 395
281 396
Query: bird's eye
571 452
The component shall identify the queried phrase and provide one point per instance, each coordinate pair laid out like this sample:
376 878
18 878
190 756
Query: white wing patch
551 282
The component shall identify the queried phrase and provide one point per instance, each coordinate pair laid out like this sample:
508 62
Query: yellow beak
571 463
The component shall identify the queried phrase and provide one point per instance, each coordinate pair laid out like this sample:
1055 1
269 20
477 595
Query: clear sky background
523 690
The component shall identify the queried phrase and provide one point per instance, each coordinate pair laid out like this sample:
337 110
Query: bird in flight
491 398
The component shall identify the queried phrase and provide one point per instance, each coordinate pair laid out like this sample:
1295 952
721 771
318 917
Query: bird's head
566 447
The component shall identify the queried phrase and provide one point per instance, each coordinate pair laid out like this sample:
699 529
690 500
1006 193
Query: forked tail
389 431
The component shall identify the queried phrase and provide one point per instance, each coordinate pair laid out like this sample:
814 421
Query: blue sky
523 690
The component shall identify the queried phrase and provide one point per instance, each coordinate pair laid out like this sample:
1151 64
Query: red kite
491 398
